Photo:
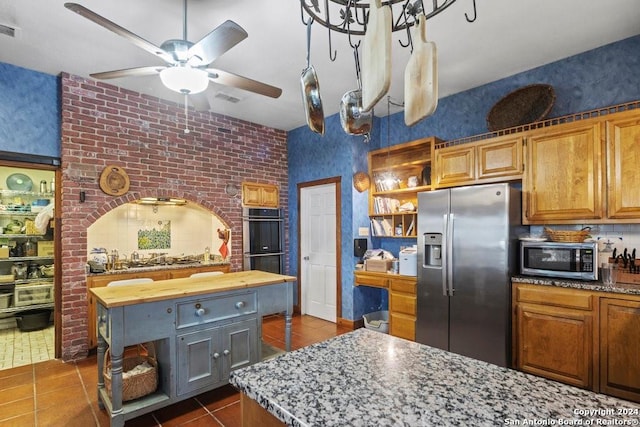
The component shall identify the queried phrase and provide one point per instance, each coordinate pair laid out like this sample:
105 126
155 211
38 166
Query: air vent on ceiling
10 31
225 97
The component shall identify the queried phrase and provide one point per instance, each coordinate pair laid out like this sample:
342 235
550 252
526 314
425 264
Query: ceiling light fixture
185 79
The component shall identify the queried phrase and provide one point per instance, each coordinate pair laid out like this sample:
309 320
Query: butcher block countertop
366 378
117 296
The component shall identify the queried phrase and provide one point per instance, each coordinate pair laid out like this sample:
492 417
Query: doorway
319 243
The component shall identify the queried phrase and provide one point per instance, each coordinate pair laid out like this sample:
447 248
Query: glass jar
30 248
19 270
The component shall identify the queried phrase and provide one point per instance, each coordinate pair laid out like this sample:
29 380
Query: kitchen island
200 329
365 378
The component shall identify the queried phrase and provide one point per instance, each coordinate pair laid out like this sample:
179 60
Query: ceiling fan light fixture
184 79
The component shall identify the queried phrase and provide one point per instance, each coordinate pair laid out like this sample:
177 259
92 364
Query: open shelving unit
398 173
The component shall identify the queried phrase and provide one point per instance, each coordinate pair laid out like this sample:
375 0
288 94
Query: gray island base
366 378
202 329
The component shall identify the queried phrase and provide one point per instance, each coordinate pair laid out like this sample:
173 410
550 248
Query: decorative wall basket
114 181
361 181
528 104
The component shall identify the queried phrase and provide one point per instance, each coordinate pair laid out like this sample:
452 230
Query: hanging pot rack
350 16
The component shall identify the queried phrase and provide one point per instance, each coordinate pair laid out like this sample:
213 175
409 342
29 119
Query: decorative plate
114 181
19 182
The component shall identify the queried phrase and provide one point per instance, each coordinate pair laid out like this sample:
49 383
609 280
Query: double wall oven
263 239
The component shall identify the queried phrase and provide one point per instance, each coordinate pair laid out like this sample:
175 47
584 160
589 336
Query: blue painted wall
29 112
598 78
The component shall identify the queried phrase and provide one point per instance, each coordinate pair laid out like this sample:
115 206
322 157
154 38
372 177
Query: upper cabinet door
623 172
500 159
260 195
455 165
563 180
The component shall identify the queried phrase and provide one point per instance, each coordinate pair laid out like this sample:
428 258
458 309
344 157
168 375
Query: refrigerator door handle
443 251
450 255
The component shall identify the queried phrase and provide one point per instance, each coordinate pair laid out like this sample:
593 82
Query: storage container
5 300
377 321
29 294
379 265
33 320
45 248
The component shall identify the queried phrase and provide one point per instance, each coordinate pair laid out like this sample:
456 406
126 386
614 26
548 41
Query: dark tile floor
52 393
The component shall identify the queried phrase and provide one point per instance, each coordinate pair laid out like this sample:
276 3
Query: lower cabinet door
199 360
620 348
402 326
556 343
240 345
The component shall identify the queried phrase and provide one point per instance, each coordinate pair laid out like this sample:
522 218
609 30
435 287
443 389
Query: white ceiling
508 37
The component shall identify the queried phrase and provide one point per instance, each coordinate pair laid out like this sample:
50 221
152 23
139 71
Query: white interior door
318 251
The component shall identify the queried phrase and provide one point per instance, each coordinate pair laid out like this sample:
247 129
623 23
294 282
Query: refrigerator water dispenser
432 249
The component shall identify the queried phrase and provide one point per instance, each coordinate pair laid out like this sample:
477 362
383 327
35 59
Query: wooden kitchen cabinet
258 195
620 347
402 300
98 281
623 166
563 180
205 358
402 307
584 338
497 159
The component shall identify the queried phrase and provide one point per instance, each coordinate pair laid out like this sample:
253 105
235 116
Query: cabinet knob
226 352
200 312
240 304
216 355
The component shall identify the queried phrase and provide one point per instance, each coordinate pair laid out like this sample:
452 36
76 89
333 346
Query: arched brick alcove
104 125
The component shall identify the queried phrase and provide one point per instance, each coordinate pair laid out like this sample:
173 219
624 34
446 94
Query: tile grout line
86 395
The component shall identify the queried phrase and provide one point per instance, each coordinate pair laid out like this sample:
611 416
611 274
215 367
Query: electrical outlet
363 231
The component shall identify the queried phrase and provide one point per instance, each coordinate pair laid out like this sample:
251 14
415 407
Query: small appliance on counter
409 261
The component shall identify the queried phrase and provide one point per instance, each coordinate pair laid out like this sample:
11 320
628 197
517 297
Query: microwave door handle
450 255
443 251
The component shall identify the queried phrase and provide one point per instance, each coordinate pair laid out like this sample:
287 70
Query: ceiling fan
187 70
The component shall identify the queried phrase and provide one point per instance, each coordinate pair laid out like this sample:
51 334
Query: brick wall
106 125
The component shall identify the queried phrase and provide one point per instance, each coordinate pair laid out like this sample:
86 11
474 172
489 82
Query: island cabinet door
620 348
556 343
239 345
199 360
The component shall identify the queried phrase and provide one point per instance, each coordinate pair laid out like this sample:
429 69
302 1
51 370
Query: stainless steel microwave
565 260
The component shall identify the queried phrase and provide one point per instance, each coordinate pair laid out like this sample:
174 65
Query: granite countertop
159 267
117 296
366 378
594 285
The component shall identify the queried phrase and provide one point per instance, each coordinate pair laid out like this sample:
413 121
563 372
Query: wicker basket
135 385
568 236
528 104
361 181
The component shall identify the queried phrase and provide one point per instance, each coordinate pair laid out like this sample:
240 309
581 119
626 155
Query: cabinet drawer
380 282
404 285
207 310
560 297
402 327
400 303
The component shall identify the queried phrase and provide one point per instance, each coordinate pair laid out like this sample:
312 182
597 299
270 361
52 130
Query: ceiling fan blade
234 80
221 39
129 72
112 26
200 101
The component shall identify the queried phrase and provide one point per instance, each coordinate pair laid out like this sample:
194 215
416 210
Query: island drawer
207 310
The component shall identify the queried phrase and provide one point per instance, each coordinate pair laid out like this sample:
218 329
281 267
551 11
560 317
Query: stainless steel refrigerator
467 252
